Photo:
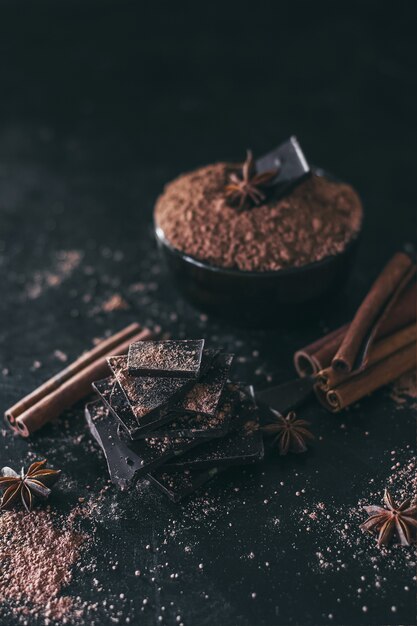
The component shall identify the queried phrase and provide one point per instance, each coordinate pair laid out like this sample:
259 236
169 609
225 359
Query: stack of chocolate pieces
169 413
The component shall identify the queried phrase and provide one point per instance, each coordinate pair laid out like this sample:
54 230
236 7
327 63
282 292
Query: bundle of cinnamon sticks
378 345
71 384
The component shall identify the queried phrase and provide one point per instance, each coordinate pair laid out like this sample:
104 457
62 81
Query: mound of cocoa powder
317 219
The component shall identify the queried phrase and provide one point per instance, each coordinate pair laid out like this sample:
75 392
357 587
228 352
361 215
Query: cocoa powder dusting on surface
318 219
37 554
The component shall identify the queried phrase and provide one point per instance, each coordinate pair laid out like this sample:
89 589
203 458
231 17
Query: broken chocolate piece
292 164
200 425
242 446
179 359
204 396
181 483
147 396
121 462
287 396
127 460
239 448
112 394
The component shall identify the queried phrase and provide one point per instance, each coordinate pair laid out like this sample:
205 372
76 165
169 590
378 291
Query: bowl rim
216 269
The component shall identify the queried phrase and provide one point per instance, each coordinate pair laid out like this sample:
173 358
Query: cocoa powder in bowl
316 220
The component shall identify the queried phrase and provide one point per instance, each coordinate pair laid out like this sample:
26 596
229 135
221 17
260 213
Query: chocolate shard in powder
180 358
181 483
149 396
291 163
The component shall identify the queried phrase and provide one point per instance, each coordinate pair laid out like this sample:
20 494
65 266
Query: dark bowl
282 297
288 297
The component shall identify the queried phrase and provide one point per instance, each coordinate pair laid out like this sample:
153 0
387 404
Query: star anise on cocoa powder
291 434
399 518
26 486
249 189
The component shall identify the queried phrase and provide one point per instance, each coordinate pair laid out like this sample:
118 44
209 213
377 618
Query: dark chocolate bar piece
200 425
240 447
181 483
147 396
140 456
204 396
179 359
291 163
121 463
287 396
112 394
171 424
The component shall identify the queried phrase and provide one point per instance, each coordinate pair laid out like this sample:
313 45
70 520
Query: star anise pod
402 519
34 483
291 434
249 189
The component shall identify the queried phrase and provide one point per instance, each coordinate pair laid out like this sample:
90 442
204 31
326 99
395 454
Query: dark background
101 103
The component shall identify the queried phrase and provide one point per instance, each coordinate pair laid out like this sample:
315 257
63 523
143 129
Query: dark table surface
101 104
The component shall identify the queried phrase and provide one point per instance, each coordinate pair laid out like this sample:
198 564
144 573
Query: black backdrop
102 103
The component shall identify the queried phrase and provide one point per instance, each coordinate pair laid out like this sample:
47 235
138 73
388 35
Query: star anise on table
249 189
26 486
399 518
291 434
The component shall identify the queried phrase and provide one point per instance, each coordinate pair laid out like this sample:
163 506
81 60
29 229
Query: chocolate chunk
121 462
126 460
170 424
181 483
149 396
180 358
287 396
205 395
112 394
243 446
155 451
203 426
292 164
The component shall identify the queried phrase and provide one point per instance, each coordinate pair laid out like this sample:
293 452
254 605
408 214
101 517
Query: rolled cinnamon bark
388 285
368 380
329 378
53 383
71 390
318 355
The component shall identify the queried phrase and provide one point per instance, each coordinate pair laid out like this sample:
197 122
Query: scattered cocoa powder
37 555
63 264
319 218
115 303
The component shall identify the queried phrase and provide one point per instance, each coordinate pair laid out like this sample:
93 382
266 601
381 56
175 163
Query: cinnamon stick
368 380
329 378
388 284
319 354
70 385
53 383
